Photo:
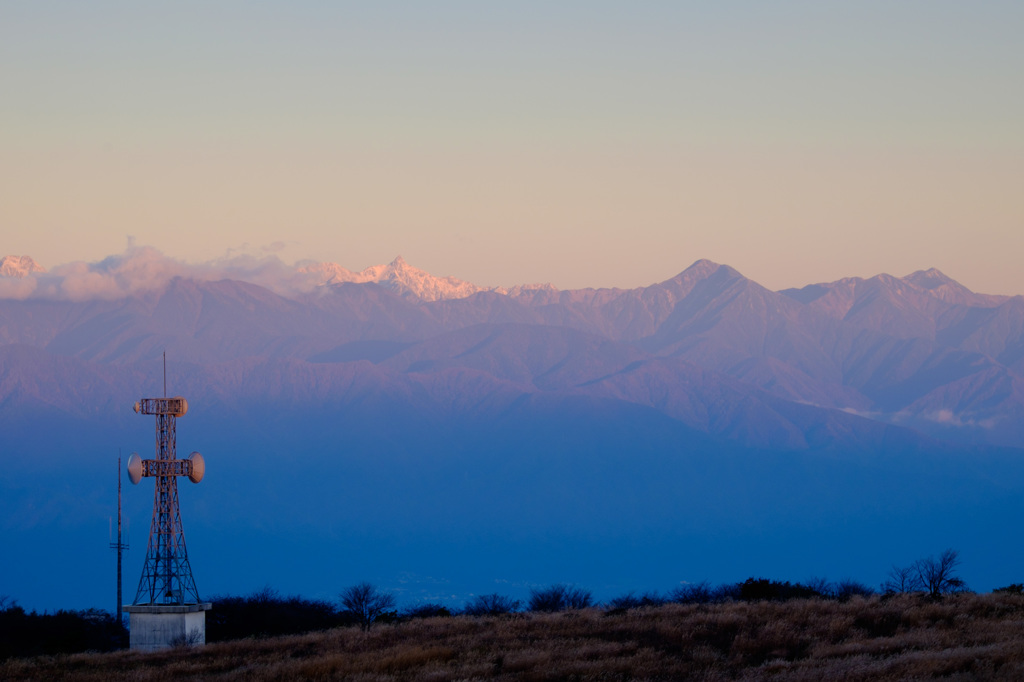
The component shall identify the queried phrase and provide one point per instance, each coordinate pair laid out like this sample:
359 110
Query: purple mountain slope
899 350
537 357
561 361
996 332
620 314
786 381
926 304
727 318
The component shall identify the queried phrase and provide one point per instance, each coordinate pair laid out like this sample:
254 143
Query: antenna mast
167 609
119 545
167 574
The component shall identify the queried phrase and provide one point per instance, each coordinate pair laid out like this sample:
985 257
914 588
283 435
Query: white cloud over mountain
142 268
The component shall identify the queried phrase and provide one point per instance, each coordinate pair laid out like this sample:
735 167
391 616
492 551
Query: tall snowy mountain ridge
402 278
19 266
827 364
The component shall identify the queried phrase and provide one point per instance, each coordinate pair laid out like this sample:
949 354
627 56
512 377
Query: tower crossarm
167 467
176 407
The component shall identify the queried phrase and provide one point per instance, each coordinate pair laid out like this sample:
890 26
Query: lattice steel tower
166 575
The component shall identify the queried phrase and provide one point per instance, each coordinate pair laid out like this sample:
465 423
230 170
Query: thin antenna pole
120 545
165 374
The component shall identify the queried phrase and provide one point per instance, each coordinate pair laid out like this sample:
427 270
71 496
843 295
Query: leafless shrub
634 601
820 585
848 588
265 595
366 603
758 589
1013 588
427 611
491 605
902 580
559 598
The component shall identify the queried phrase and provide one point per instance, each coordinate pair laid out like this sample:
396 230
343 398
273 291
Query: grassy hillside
960 637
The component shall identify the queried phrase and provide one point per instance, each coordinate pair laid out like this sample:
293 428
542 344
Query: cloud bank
142 269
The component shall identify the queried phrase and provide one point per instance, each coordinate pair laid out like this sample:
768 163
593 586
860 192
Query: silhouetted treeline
36 634
265 613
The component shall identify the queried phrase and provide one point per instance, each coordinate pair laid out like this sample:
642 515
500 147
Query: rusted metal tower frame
166 573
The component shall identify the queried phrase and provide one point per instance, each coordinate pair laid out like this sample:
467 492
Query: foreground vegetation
901 636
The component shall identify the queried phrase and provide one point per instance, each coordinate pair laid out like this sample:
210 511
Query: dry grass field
961 637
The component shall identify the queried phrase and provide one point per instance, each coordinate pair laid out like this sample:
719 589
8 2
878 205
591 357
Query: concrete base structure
153 627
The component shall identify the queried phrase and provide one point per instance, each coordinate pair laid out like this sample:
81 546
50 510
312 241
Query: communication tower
167 609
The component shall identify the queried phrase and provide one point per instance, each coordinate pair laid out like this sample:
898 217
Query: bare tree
937 575
847 588
366 603
266 595
902 580
820 585
934 575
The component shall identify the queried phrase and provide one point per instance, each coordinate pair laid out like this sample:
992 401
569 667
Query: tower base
160 626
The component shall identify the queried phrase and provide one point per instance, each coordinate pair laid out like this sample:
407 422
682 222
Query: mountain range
921 351
393 423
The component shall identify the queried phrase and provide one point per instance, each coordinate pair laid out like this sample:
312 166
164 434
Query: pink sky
588 144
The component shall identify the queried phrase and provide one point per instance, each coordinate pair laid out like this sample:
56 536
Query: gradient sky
581 143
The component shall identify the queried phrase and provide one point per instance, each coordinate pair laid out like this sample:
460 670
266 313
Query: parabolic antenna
179 406
134 468
198 467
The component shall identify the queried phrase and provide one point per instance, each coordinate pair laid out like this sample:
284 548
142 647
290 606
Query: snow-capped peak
19 266
398 276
